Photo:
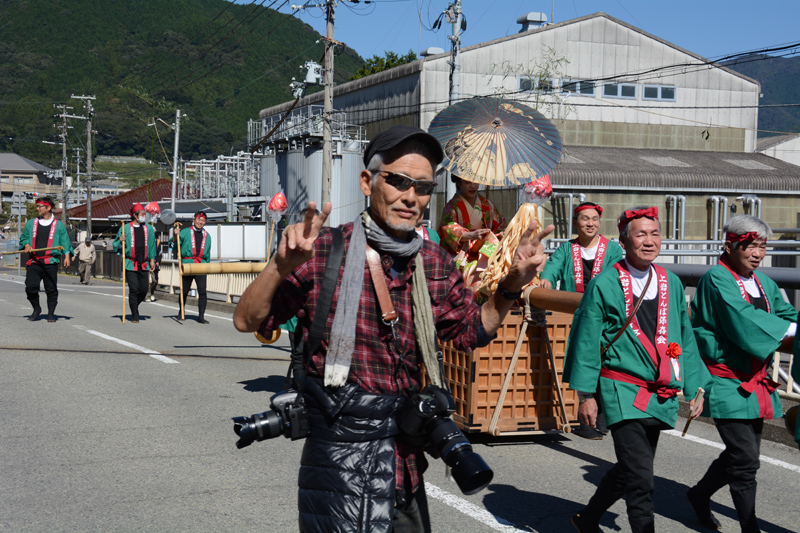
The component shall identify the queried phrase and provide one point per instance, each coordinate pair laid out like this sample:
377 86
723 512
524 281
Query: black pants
200 280
34 276
138 283
742 438
635 444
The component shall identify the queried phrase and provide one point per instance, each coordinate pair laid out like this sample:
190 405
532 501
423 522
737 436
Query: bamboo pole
180 265
271 233
553 300
123 271
34 250
199 269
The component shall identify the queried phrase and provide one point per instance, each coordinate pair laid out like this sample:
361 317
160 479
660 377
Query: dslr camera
287 416
425 420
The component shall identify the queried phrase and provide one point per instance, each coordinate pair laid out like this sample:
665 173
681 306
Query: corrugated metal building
640 101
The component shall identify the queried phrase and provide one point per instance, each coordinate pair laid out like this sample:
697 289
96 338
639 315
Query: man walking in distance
640 368
196 248
86 254
139 242
365 367
44 231
740 319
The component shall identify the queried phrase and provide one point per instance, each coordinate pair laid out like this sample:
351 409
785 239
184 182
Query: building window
23 181
619 90
659 92
578 86
534 84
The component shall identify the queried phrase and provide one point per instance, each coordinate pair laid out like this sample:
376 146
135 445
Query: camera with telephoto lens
287 417
425 420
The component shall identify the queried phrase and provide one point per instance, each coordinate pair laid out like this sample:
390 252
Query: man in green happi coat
138 241
576 262
44 233
632 341
740 319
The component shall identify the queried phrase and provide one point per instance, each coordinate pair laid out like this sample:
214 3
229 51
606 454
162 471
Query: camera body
425 420
287 416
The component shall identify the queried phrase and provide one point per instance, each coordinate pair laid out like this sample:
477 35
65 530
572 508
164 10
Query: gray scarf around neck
343 331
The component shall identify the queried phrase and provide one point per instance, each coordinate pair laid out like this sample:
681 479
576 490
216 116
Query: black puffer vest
347 471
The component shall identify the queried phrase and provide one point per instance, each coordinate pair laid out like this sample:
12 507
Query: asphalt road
112 427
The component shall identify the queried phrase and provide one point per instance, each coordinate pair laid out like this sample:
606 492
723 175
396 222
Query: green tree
377 64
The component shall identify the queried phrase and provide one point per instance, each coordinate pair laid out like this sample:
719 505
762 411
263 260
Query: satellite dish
168 217
69 182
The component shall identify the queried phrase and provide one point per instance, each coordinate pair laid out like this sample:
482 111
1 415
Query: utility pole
454 14
327 133
63 135
175 165
89 115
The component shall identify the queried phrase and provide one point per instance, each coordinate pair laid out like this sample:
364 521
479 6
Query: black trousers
742 438
200 281
34 276
635 444
138 283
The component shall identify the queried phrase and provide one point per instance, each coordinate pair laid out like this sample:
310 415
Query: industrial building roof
671 170
14 162
122 203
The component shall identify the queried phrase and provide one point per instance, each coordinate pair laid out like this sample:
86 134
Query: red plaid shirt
376 366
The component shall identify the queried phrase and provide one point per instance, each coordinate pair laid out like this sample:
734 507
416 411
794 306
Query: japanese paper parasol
496 142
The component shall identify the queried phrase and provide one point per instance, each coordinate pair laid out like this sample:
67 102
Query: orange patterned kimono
458 218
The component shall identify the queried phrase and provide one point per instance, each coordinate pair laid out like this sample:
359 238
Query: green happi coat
151 246
560 268
60 238
187 234
599 317
729 330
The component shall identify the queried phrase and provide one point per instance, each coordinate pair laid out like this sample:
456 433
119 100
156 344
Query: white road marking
470 509
14 281
720 446
152 353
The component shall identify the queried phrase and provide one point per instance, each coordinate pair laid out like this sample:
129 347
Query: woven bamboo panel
531 401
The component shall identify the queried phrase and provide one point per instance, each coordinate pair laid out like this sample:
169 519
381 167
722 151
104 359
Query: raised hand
529 258
297 242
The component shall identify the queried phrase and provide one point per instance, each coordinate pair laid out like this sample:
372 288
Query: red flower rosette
674 350
277 205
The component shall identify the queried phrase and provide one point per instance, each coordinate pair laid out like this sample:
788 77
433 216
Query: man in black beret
368 361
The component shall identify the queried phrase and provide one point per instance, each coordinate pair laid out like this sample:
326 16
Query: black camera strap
330 279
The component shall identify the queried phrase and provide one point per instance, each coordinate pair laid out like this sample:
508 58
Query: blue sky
710 28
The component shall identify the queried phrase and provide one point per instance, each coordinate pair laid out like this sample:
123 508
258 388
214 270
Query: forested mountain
780 84
219 63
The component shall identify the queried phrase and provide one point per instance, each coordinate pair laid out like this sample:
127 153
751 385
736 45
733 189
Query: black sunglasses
401 182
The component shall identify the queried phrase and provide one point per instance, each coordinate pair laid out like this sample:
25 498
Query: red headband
629 215
42 202
735 237
588 206
201 215
136 208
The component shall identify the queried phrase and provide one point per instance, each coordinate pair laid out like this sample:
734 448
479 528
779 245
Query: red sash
577 262
135 263
198 258
47 255
757 380
657 353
